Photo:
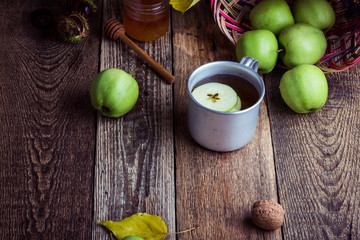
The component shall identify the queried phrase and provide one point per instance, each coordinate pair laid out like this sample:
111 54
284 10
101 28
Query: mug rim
236 64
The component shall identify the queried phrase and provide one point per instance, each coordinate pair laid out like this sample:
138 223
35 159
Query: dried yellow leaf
183 5
146 226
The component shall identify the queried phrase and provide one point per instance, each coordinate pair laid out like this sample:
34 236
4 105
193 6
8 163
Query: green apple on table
217 96
301 44
318 13
273 15
261 45
114 92
304 88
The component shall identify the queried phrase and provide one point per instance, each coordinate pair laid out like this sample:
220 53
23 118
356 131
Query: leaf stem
184 231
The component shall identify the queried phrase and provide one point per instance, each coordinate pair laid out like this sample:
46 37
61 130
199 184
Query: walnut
267 214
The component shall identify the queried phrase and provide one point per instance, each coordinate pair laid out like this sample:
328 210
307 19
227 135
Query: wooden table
63 166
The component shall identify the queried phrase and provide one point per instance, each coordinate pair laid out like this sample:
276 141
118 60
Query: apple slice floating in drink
237 106
217 96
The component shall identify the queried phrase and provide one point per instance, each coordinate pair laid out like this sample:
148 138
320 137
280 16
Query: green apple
132 238
216 96
273 15
261 45
237 107
318 13
114 92
304 88
301 44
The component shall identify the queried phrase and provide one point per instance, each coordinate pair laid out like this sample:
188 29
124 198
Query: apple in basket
273 15
304 88
261 45
114 92
301 44
318 13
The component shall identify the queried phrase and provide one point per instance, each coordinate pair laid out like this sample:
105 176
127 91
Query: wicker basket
232 17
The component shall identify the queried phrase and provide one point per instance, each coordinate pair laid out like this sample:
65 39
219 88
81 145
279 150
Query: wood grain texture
135 153
317 161
47 127
215 191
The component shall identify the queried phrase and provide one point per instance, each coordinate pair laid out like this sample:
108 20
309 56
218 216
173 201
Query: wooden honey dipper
115 30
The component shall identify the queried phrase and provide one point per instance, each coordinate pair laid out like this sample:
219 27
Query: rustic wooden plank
317 161
135 153
47 127
215 191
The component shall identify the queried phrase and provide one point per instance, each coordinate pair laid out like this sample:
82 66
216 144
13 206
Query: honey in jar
146 20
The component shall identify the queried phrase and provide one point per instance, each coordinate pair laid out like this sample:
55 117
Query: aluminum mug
224 131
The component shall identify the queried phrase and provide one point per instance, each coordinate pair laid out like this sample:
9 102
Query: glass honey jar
146 20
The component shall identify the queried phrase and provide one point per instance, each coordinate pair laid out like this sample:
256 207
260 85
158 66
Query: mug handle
250 62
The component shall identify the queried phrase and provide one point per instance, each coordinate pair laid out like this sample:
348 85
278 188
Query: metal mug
224 131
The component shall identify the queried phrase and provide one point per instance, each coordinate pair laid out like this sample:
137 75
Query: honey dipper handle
160 69
115 30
